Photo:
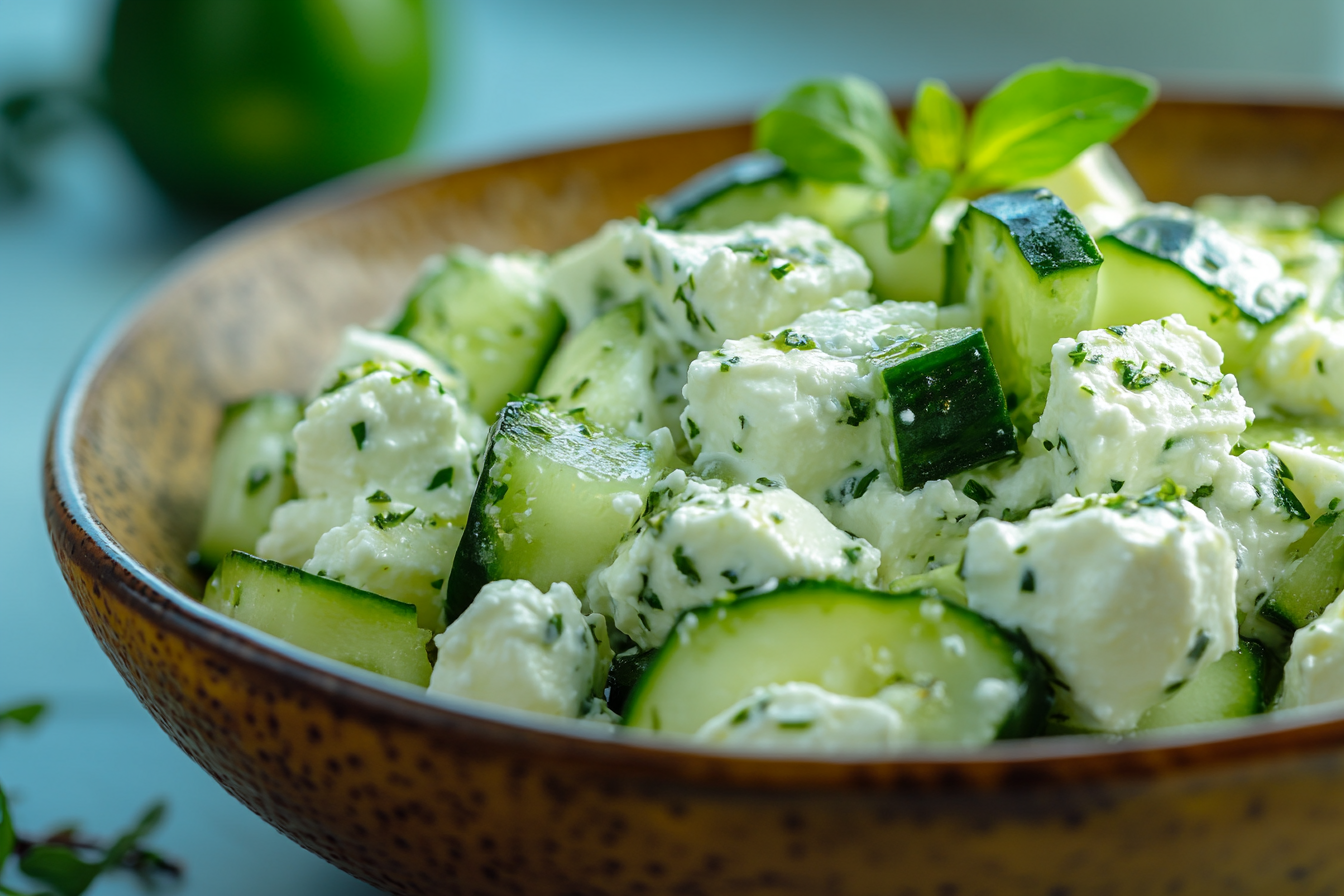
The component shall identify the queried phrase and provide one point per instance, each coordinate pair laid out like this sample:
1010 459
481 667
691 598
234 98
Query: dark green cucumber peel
1215 258
1027 718
673 209
948 412
1049 236
626 670
1308 588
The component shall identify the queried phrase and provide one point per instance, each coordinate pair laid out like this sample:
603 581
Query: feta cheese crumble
1127 599
516 646
1314 672
699 540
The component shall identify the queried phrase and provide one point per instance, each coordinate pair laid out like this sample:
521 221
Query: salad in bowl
868 439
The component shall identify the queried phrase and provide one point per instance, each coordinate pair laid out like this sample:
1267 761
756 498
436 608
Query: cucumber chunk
322 615
1174 261
916 274
486 316
555 496
1309 587
1240 683
1028 266
250 474
851 642
948 413
756 187
626 670
607 369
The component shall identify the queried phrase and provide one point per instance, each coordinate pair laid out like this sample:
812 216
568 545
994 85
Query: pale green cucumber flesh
1310 586
851 642
1239 683
551 503
496 334
607 369
249 475
318 614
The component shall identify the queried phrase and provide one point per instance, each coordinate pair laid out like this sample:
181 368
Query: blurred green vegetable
230 104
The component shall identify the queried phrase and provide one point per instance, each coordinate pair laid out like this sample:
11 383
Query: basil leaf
1039 119
837 129
911 202
937 127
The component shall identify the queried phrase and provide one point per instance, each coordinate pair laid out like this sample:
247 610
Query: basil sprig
1031 124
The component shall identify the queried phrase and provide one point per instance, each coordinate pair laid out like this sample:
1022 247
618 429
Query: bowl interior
261 306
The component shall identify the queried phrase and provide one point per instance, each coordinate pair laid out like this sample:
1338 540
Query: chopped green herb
634 264
1118 330
379 497
692 429
1199 494
741 716
555 627
780 271
796 724
1320 366
736 447
765 482
977 492
257 477
436 584
742 420
859 409
1049 445
360 432
1028 580
852 554
442 478
1088 389
685 566
1079 353
1020 549
1201 644
389 520
1133 378
1117 484
579 387
776 516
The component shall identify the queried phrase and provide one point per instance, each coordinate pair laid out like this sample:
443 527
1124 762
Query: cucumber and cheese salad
873 438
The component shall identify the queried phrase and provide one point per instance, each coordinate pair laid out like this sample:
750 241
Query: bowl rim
1001 763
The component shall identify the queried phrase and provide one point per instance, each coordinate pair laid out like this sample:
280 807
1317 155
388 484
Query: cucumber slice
851 642
1027 264
555 497
1240 683
607 369
486 316
250 474
948 413
1174 261
1309 587
756 187
322 615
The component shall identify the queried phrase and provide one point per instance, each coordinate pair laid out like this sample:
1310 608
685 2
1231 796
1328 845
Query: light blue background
517 77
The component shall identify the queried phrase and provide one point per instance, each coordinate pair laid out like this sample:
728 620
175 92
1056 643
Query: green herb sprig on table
1033 123
65 862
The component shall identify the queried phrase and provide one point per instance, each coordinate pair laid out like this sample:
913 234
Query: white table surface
519 76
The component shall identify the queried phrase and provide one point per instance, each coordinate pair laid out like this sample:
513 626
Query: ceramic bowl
418 795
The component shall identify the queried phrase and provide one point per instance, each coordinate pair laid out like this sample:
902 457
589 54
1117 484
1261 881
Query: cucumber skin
1258 661
1027 719
964 437
674 209
1292 612
475 554
1049 236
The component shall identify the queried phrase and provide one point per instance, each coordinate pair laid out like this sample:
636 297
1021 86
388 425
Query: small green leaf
7 837
59 868
911 202
24 714
1038 120
838 129
937 127
130 839
360 431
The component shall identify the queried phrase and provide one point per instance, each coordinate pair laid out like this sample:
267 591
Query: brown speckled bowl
421 796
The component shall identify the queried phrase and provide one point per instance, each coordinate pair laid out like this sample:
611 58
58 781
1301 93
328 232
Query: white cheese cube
1130 407
1301 369
801 408
915 531
700 540
296 526
1125 601
805 717
1314 672
515 646
703 288
393 430
391 549
359 346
